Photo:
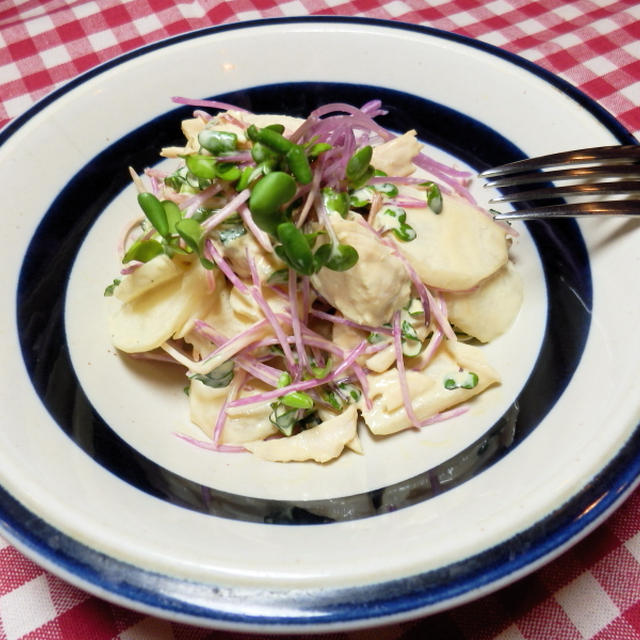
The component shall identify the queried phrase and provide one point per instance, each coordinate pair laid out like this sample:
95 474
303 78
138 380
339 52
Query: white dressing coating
344 346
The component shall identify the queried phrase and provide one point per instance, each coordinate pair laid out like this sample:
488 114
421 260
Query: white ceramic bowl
95 485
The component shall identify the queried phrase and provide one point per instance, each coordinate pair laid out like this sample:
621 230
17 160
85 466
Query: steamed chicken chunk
429 395
244 423
230 121
395 156
322 443
374 287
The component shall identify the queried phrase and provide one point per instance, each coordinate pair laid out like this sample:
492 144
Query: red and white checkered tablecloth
591 591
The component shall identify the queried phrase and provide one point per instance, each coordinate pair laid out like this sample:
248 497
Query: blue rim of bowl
418 593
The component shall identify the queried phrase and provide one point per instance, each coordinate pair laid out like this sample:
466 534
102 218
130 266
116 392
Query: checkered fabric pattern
593 590
591 43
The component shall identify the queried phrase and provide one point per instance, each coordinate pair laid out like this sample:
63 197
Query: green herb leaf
227 171
299 164
268 196
217 142
284 379
461 380
321 372
283 418
111 288
173 214
434 196
350 391
155 212
297 400
190 231
280 276
295 250
405 232
333 399
358 165
220 377
387 188
408 332
318 148
361 197
143 251
339 257
337 201
201 166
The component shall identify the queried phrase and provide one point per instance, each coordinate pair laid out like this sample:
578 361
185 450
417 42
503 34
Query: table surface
592 590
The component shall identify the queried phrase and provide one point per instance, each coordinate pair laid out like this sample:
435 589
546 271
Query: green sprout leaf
109 289
190 231
143 251
217 142
220 377
461 380
337 257
358 165
297 400
155 212
434 196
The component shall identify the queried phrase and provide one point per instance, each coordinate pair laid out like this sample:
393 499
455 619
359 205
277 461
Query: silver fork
608 177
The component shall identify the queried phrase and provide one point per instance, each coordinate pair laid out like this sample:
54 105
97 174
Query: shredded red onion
408 203
213 254
261 237
126 232
232 346
203 115
359 118
364 385
304 384
252 366
222 415
207 104
227 211
191 204
402 376
211 446
338 319
444 415
256 294
295 321
132 266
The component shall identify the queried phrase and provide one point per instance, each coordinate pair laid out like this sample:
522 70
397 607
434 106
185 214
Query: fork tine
592 189
584 173
583 209
594 155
